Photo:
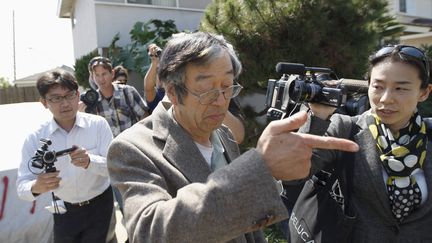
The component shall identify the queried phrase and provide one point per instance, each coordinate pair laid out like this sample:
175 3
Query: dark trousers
87 223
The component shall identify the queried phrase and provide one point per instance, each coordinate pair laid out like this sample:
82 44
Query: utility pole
14 57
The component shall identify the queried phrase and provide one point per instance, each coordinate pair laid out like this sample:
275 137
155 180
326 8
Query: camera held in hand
44 158
157 54
90 99
300 84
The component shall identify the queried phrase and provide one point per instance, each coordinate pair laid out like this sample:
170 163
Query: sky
43 41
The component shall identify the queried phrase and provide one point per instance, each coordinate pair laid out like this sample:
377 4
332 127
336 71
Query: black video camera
44 158
90 99
300 84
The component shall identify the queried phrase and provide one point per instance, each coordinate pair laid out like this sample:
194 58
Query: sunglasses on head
99 60
405 52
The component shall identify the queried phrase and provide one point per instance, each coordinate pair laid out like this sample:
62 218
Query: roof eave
65 8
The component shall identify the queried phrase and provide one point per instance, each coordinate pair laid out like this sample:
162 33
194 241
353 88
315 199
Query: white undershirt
206 152
216 146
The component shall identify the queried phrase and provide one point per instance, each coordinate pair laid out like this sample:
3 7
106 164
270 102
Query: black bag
323 212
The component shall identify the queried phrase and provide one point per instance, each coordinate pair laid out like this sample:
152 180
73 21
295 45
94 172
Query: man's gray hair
198 48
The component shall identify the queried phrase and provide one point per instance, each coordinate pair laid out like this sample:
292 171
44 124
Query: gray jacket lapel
179 150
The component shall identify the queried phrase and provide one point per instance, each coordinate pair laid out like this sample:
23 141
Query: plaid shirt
123 109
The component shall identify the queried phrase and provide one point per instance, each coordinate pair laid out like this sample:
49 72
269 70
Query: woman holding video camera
392 176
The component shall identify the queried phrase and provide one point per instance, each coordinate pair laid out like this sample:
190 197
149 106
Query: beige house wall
418 41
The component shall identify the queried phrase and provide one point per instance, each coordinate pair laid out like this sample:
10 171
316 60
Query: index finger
323 142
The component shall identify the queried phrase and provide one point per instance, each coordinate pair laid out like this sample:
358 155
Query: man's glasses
59 99
406 52
212 95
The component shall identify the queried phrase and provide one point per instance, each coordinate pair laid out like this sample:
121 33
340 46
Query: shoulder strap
134 117
428 121
348 157
345 163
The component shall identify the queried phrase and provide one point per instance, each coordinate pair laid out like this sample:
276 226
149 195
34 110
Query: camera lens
92 96
158 52
302 91
49 157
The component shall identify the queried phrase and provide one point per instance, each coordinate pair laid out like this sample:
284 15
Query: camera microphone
291 68
298 68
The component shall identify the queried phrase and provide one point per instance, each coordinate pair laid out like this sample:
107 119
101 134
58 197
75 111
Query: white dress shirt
77 184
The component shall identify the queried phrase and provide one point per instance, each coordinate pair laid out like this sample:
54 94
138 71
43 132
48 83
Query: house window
169 3
140 1
402 6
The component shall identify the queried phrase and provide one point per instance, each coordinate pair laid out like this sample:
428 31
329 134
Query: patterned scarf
402 155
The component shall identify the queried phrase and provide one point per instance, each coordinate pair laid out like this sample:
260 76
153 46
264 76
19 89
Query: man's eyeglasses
406 52
59 99
212 95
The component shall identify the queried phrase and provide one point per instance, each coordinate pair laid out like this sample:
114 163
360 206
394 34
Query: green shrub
81 69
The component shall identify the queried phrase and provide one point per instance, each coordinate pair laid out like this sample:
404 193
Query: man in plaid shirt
121 105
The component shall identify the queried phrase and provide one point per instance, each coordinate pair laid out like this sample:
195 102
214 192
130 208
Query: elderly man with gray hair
180 170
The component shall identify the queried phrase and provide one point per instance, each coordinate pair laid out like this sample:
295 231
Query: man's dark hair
56 78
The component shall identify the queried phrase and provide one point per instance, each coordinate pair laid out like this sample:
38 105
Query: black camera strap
134 117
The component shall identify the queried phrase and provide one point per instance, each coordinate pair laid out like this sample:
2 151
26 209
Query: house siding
84 30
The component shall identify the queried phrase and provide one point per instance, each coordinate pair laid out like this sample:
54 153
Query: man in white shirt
80 179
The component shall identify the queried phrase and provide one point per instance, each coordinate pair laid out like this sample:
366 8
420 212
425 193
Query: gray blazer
171 195
376 222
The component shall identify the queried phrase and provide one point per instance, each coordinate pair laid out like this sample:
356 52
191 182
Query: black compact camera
90 99
300 84
44 158
158 51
